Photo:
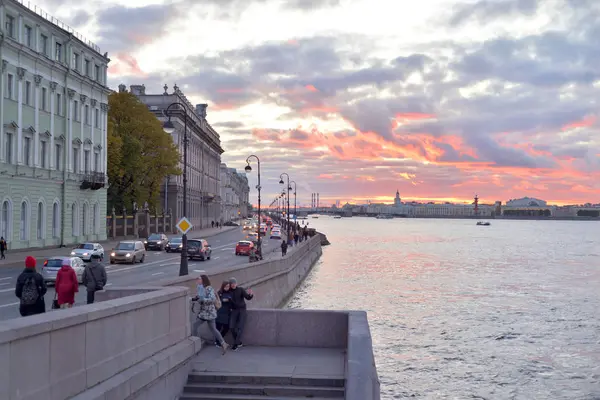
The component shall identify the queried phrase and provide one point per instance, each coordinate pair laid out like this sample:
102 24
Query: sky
356 99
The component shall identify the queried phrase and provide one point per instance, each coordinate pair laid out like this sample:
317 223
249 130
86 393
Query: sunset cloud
497 98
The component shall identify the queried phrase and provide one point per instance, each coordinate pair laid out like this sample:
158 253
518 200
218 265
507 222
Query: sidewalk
16 258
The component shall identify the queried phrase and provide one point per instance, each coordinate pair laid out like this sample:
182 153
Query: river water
458 311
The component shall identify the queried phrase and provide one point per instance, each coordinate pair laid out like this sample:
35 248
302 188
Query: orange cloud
584 123
311 88
125 64
325 176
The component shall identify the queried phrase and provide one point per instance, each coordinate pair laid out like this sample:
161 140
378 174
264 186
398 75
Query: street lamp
288 199
248 169
170 128
295 216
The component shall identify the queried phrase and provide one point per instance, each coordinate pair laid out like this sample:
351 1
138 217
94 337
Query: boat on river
337 217
483 223
385 216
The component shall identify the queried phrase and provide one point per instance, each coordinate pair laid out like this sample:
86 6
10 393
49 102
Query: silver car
86 250
128 251
53 264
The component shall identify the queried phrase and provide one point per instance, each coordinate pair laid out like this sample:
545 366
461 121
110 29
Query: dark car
198 249
156 241
174 245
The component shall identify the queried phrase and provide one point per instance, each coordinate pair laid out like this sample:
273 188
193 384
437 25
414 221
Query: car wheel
208 258
143 258
134 260
112 261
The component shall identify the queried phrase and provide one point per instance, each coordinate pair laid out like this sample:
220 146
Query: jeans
236 324
223 329
91 295
211 325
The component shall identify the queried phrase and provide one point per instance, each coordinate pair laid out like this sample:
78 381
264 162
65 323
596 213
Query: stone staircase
243 386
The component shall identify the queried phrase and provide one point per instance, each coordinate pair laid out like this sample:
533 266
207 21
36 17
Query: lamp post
288 199
248 168
170 128
295 216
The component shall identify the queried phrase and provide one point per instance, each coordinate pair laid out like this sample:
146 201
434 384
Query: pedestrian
296 238
305 233
209 304
66 285
239 295
30 290
283 248
3 248
94 278
223 313
212 224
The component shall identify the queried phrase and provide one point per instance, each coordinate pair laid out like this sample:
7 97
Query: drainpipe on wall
65 101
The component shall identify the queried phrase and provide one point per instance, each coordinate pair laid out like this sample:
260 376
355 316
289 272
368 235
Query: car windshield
154 237
176 240
86 246
244 244
193 243
125 246
56 263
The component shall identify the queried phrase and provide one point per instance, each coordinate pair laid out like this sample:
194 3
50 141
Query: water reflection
505 312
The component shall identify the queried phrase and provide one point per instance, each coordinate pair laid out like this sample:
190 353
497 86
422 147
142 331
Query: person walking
3 248
239 295
66 285
296 238
31 289
223 313
283 248
209 304
94 278
212 223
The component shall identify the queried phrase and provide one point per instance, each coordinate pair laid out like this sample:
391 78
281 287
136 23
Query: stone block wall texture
61 354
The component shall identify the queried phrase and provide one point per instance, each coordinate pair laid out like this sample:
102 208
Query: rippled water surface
458 311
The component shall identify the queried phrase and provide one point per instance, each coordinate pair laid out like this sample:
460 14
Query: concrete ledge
362 382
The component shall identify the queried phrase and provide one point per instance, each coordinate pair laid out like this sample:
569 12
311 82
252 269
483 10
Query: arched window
24 221
6 220
55 221
95 219
41 221
75 220
85 219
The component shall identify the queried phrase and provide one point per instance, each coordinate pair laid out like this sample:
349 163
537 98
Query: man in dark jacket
94 278
31 289
239 295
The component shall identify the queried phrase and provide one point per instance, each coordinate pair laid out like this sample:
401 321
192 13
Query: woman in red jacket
66 286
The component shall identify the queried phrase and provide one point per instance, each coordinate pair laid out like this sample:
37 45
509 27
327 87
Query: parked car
275 234
53 264
198 248
243 248
230 223
156 241
128 251
174 245
86 250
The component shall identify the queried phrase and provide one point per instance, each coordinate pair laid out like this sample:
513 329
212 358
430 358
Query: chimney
201 110
138 90
122 88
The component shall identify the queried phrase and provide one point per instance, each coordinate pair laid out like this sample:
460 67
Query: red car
243 247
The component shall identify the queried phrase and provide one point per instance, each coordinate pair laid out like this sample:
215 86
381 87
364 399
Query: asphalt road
158 266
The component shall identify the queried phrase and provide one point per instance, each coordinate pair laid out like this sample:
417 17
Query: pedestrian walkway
15 258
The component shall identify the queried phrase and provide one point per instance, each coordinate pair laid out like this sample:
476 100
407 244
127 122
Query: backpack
30 293
217 301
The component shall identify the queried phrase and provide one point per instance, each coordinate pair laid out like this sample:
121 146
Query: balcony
93 181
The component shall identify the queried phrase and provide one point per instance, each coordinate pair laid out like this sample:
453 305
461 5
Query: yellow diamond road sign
184 225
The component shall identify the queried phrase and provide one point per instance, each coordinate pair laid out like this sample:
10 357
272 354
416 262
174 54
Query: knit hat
30 262
232 281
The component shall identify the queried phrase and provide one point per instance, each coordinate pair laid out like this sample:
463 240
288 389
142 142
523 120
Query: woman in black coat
224 313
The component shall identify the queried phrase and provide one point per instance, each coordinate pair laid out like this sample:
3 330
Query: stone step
266 390
212 396
266 379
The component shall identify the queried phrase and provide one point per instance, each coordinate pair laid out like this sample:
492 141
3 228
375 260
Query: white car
53 264
85 251
275 234
276 227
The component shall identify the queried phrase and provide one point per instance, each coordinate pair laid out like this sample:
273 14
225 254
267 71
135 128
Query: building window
28 31
6 220
44 97
58 52
87 68
44 44
95 219
96 162
86 161
58 104
57 157
85 219
10 26
24 221
75 65
87 114
28 93
75 219
75 160
9 147
40 221
55 221
43 150
10 81
75 110
96 118
26 150
97 72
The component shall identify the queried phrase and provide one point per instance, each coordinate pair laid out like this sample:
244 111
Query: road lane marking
5 283
6 279
108 284
198 270
158 273
216 258
10 304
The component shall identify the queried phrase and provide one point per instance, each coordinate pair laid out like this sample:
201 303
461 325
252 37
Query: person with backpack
209 304
31 289
94 278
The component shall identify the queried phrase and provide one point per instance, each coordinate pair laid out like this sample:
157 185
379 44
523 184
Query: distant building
234 194
397 199
526 202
